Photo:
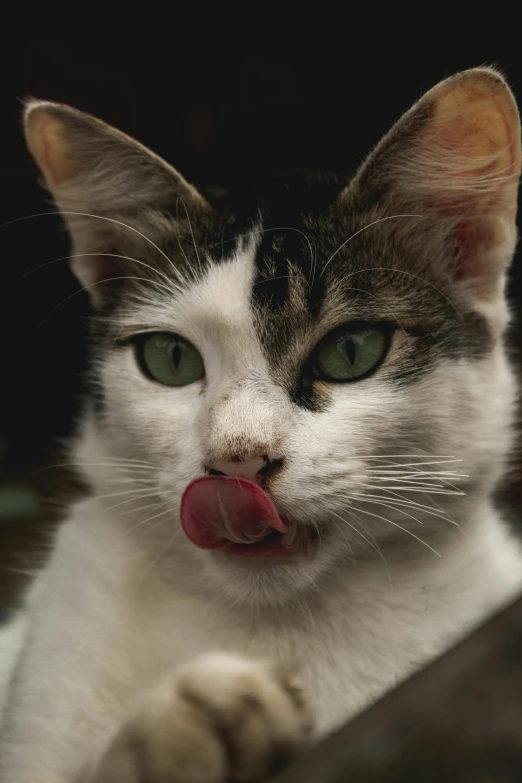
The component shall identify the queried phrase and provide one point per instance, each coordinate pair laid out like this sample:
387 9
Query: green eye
349 354
171 360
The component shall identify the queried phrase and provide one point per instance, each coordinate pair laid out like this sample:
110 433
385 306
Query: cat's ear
454 159
103 182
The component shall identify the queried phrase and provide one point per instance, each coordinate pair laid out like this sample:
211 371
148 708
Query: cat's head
336 345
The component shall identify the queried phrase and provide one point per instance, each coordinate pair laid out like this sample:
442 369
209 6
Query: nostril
247 468
270 467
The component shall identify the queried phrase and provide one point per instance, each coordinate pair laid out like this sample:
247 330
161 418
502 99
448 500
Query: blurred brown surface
457 721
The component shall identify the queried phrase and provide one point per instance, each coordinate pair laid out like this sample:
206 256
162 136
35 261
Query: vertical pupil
349 346
176 355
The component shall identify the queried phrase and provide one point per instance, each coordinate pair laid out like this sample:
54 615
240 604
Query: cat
299 408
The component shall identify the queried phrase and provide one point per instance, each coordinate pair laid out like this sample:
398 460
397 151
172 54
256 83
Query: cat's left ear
454 159
103 182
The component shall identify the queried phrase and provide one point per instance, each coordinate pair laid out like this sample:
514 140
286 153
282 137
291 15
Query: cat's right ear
453 162
104 183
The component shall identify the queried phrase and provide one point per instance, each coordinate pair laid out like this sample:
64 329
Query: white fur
120 605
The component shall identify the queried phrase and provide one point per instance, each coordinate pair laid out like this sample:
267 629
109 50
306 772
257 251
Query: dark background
220 100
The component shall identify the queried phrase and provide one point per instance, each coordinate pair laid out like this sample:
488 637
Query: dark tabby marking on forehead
287 249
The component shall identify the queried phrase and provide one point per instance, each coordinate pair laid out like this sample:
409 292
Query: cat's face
337 346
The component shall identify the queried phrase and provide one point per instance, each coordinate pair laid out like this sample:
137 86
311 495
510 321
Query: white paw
223 718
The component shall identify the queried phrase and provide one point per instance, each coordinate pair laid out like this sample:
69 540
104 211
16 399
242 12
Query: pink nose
249 468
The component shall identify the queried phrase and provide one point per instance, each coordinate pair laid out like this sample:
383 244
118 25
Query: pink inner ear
480 232
483 246
107 268
49 148
97 268
465 171
472 237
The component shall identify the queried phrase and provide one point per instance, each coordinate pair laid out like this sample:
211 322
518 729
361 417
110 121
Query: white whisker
129 480
435 461
395 524
356 530
134 492
141 508
122 464
98 217
149 519
404 501
364 228
100 282
435 490
132 500
125 225
179 198
171 283
158 557
341 531
400 272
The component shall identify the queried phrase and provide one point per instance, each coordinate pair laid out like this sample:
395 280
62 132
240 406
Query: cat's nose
256 469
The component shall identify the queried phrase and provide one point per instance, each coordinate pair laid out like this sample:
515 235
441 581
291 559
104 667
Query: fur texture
392 475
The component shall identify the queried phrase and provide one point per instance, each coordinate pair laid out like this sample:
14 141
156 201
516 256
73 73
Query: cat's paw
220 719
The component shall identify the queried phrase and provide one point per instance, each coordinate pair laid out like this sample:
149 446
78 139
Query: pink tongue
217 509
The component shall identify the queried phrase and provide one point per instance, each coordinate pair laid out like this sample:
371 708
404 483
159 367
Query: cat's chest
135 627
342 669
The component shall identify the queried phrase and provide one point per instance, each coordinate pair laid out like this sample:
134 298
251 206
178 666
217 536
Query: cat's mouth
296 544
238 518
